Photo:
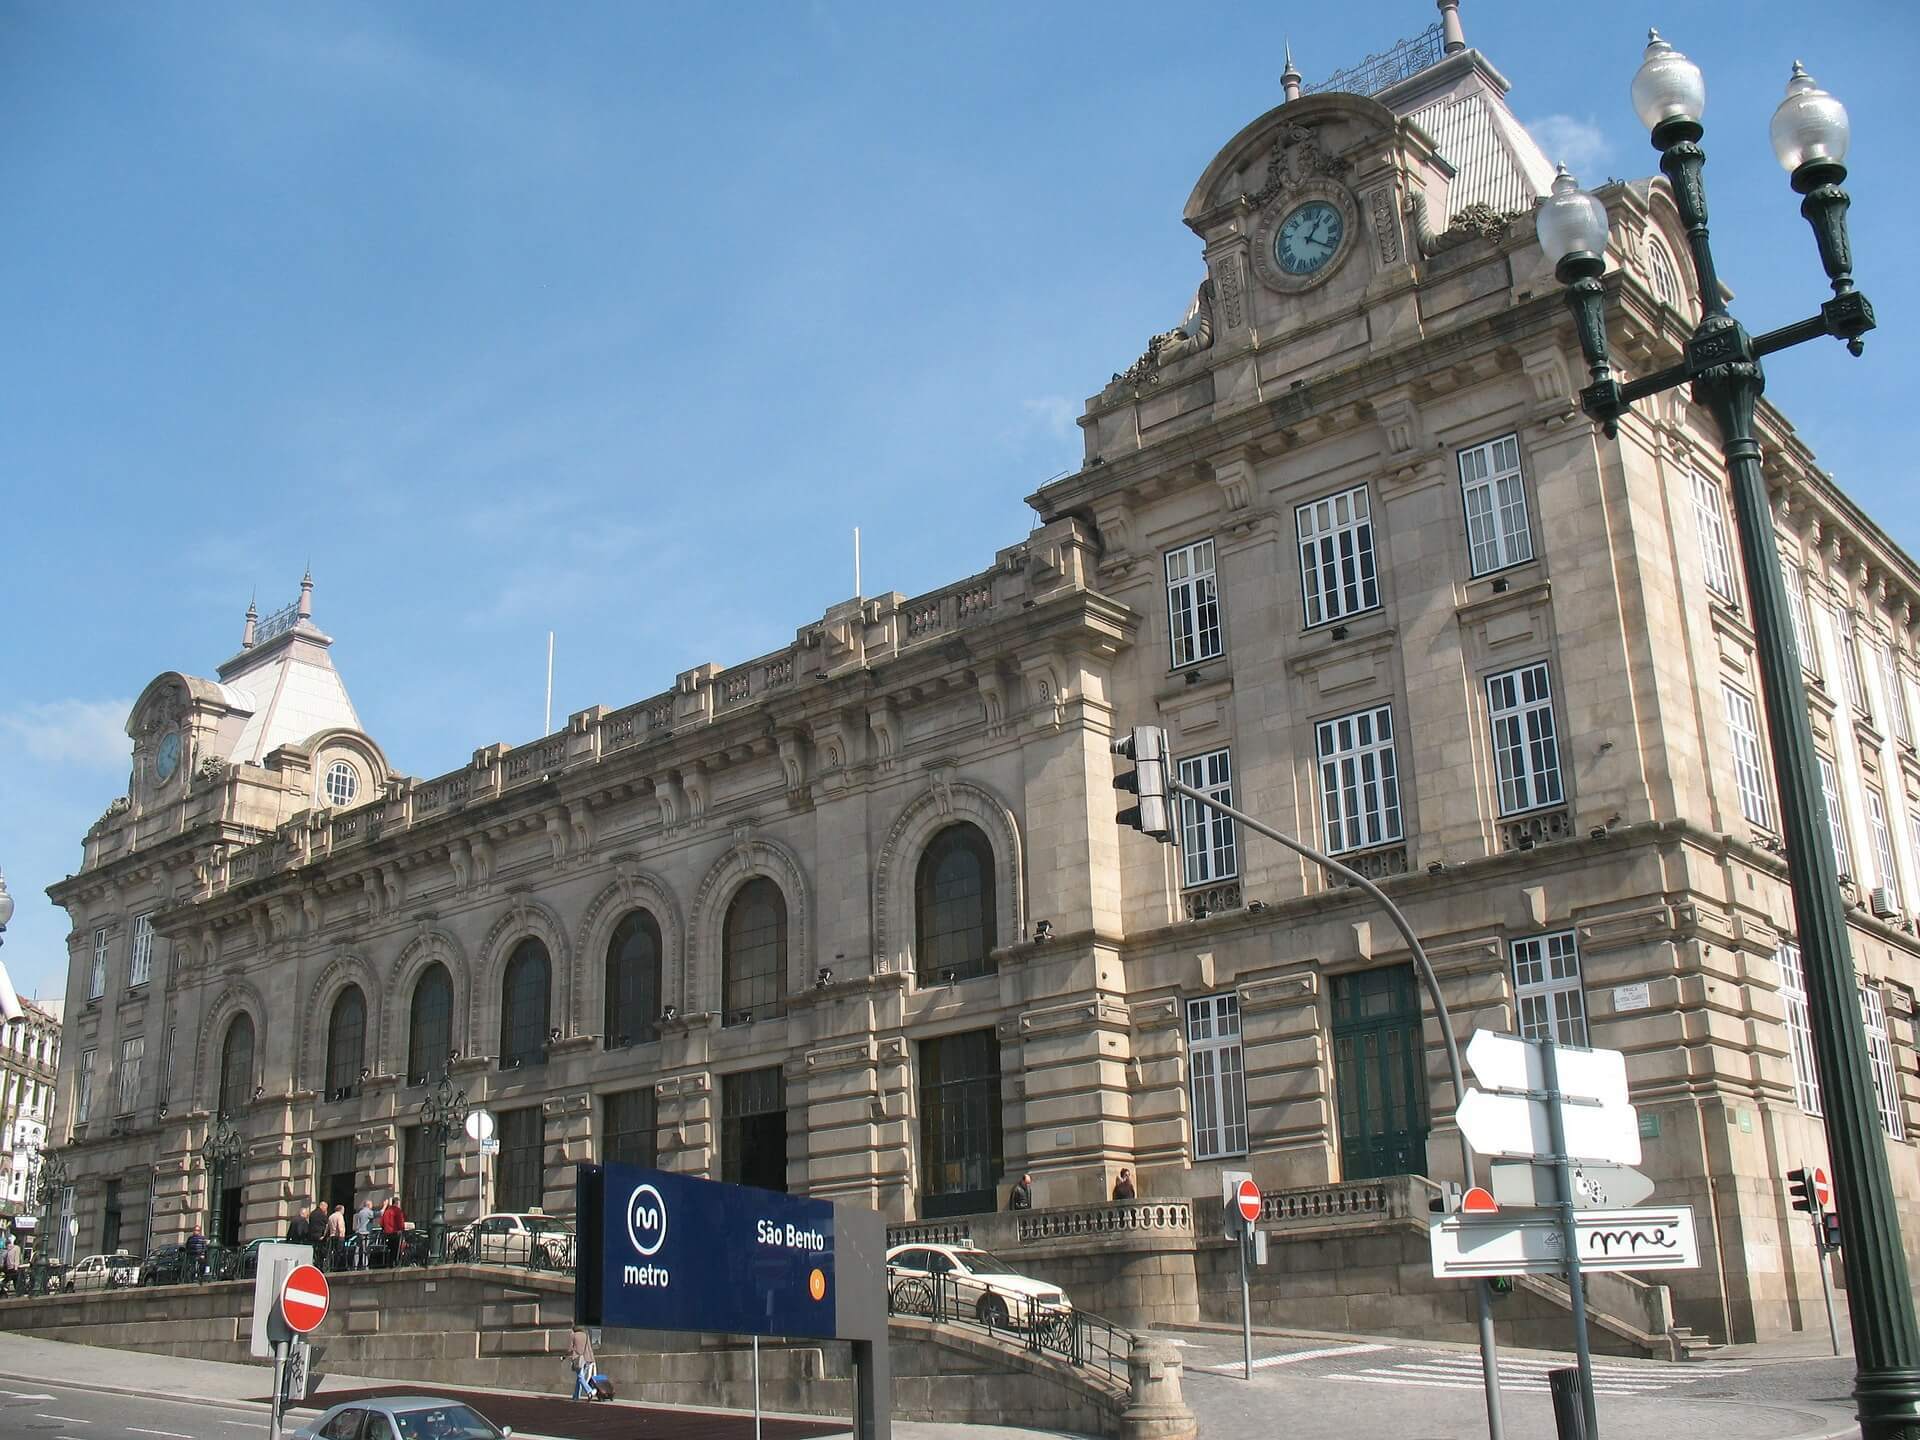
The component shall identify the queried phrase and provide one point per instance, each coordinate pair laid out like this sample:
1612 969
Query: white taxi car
544 1242
103 1272
961 1275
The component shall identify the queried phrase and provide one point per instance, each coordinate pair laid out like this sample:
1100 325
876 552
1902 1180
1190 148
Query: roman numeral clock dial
1308 238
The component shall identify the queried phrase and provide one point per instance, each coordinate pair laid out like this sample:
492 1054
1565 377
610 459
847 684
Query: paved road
62 1412
1333 1389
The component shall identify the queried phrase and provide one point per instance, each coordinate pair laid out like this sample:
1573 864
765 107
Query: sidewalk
534 1417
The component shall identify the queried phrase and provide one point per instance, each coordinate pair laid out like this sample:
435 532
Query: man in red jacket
393 1224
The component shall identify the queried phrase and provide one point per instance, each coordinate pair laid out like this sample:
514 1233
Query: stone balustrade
1174 1217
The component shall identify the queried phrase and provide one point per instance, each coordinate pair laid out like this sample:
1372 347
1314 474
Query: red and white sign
304 1298
1247 1197
1822 1190
1478 1201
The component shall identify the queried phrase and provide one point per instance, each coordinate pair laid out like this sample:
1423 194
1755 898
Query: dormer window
342 783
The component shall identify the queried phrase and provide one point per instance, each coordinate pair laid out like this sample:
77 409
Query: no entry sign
1822 1190
1247 1197
303 1299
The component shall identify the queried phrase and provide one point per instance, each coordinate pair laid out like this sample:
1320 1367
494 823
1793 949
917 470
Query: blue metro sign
660 1251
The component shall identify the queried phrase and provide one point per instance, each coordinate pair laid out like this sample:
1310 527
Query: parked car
997 1293
543 1241
166 1265
103 1272
403 1417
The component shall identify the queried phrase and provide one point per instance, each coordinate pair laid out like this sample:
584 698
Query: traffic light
1500 1284
1800 1187
1146 746
1829 1230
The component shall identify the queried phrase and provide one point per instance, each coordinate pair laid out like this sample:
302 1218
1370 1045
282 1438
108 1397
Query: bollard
1569 1417
1156 1409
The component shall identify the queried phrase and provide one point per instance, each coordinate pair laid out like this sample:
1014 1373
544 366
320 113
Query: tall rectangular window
140 960
1193 603
83 1097
753 1128
1497 531
1886 1084
166 1063
1896 695
1526 752
1710 520
962 1146
1850 661
1743 733
1218 1074
1336 556
420 1159
1885 873
1359 779
1793 996
1836 817
1546 989
523 1174
1207 842
632 1136
97 979
132 1050
1796 583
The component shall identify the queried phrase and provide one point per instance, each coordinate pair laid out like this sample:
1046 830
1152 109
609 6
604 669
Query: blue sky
615 319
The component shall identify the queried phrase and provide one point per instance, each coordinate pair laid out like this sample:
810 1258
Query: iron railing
1070 1335
547 1250
1389 67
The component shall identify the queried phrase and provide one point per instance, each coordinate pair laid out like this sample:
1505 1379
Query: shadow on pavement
584 1420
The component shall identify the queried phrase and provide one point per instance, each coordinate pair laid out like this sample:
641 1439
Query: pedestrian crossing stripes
1295 1356
1462 1372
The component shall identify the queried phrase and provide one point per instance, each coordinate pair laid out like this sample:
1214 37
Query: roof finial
253 621
1290 78
1452 37
306 594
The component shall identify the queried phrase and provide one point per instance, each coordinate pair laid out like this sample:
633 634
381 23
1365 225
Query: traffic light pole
1489 1353
1826 1277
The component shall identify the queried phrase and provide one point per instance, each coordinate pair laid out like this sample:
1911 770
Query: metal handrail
1071 1335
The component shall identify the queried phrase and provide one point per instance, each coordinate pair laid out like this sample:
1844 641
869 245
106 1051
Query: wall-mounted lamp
259 1092
1525 842
1201 912
161 1113
669 1015
1436 867
1042 932
1254 907
452 1055
824 978
366 1072
553 1036
1599 832
949 977
1339 632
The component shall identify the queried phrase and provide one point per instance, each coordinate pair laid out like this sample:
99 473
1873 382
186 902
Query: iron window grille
522 1169
1526 749
955 927
430 1025
1193 604
753 1128
1495 495
1836 816
526 996
1208 844
1359 779
1749 774
1710 520
1216 1076
961 1145
632 1128
633 981
1337 576
236 1066
346 1043
1547 990
421 1156
754 954
1793 997
140 958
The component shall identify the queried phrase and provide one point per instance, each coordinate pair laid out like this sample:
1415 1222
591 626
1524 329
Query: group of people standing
326 1229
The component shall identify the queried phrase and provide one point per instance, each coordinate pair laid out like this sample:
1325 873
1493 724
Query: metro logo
646 1220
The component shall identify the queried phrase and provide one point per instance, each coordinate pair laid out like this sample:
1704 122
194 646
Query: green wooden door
1380 1082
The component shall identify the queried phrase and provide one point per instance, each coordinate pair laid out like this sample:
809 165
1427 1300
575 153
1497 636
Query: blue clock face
1308 238
166 759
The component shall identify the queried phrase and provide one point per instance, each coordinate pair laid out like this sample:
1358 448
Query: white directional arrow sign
1522 1184
1506 1062
1515 1125
1651 1238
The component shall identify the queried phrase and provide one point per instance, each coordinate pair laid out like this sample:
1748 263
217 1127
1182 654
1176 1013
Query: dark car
167 1265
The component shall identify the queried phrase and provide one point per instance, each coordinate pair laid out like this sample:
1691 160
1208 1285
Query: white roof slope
1461 102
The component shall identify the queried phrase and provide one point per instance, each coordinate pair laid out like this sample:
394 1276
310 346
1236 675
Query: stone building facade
855 918
29 1065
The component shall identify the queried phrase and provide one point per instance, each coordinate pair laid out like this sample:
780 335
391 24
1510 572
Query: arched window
1666 287
633 981
236 1066
525 996
430 1025
954 908
753 963
346 1043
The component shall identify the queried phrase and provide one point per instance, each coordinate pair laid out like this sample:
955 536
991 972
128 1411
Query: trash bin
1569 1417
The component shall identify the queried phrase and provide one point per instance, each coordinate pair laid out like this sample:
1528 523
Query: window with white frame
1743 732
1796 583
1836 817
1526 752
1885 875
1710 519
1336 556
132 1049
1896 695
342 783
1193 603
1498 534
1886 1086
1793 996
1207 843
97 979
1666 286
83 1096
1359 780
1218 1077
1546 989
140 959
1850 661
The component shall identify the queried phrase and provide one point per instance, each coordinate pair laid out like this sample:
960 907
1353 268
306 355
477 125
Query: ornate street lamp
218 1151
51 1181
442 1112
1722 364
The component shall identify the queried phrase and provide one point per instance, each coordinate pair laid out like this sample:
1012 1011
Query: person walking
580 1361
1021 1196
10 1265
393 1224
1123 1187
363 1223
197 1254
336 1236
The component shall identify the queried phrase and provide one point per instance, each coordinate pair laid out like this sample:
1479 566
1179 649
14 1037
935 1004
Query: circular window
342 784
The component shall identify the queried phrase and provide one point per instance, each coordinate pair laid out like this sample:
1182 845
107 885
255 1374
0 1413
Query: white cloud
91 734
1055 414
1580 145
